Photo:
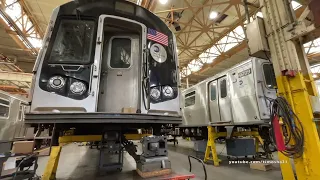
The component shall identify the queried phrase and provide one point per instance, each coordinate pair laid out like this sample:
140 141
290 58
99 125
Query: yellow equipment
286 35
52 166
213 135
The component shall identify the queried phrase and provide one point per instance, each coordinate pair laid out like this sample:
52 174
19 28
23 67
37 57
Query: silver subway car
11 116
101 60
237 96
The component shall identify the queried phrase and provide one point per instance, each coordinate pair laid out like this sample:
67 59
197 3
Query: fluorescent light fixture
213 15
259 14
163 1
295 5
139 2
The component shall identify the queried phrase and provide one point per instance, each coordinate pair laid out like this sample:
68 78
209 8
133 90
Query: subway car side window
190 99
4 108
223 88
213 92
269 76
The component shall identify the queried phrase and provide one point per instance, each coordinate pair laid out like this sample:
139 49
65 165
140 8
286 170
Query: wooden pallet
154 173
261 166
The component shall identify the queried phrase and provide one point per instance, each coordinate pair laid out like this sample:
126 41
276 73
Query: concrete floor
80 162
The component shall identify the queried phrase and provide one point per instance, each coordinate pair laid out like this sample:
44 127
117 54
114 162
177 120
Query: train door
119 80
224 101
214 101
219 101
19 132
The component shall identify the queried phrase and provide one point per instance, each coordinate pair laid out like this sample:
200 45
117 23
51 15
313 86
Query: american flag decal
157 37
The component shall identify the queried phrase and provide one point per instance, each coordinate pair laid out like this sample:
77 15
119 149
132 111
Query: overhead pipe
245 2
187 81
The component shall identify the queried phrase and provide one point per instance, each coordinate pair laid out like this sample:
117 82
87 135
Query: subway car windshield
73 42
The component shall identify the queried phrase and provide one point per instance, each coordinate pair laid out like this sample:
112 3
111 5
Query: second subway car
237 96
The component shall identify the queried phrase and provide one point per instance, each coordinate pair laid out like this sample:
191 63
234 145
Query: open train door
120 76
120 73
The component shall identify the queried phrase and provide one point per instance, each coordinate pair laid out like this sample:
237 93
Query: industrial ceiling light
314 76
139 2
163 1
295 5
213 15
259 14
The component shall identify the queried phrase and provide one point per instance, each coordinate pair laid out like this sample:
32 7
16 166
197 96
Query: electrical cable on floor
24 159
292 129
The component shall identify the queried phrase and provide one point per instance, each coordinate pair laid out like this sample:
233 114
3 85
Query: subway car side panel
243 94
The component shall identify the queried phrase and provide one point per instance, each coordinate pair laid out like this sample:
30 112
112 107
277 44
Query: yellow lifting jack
52 166
213 135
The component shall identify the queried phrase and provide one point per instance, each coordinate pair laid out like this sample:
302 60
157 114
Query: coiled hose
292 129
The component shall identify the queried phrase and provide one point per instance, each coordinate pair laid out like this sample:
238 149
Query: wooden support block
154 173
23 147
261 166
129 110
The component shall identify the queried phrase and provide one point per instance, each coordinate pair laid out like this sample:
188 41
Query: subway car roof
121 8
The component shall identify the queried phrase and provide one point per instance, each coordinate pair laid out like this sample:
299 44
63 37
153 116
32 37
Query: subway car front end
104 65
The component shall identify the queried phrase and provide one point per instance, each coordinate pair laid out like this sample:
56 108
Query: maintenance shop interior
160 89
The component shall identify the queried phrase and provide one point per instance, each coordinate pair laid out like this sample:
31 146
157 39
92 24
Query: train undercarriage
221 133
112 134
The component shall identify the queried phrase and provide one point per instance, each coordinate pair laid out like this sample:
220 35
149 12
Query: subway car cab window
223 88
73 42
120 53
190 99
4 108
269 76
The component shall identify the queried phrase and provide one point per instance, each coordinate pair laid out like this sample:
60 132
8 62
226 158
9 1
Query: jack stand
154 158
52 166
211 147
111 153
211 151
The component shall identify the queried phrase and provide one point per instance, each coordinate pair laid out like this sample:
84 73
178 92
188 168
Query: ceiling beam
15 76
192 7
221 58
223 34
34 21
10 24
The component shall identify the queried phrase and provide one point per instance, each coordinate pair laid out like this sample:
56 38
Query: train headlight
167 92
56 82
155 93
78 88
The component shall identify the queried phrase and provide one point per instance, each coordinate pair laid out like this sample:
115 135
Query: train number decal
244 73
